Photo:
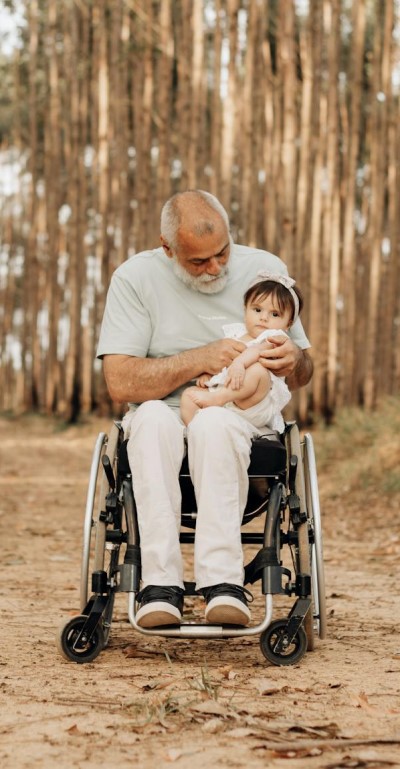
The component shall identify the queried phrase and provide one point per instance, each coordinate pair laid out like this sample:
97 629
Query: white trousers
218 443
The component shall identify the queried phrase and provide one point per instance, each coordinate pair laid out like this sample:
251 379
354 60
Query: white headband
284 280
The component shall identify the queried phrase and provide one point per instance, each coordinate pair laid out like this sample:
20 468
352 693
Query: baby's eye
275 314
256 309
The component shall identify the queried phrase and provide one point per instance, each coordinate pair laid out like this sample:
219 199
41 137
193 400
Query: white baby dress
266 413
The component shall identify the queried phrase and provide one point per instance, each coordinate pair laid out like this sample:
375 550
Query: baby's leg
195 398
257 383
189 405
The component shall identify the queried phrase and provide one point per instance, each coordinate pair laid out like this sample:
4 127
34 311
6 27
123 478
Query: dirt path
189 703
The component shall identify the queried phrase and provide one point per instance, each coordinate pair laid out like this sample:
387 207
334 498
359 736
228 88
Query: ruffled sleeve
234 330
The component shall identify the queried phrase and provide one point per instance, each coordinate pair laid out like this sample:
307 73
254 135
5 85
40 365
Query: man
161 329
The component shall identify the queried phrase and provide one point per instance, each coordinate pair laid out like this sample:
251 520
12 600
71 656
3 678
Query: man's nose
213 266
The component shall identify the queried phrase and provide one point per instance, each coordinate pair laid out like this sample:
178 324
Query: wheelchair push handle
108 471
292 472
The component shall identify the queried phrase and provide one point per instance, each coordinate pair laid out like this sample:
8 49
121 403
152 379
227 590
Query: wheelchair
283 493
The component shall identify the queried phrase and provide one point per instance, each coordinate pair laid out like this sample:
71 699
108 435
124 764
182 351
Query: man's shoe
227 604
159 606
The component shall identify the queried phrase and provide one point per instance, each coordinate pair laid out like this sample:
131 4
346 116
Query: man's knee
214 423
208 420
153 415
219 443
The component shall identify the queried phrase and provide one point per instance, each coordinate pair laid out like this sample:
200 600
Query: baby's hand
235 376
265 345
201 381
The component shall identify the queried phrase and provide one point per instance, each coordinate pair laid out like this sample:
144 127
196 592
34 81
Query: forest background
287 111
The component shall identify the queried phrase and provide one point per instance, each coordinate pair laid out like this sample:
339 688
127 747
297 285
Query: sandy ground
190 703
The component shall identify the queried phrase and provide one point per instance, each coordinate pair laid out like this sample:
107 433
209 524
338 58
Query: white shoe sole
157 613
227 610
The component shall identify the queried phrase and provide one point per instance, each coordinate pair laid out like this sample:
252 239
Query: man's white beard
206 284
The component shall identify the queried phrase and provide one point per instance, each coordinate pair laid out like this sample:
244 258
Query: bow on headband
284 280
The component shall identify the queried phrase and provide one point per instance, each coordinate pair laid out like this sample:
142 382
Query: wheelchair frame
292 516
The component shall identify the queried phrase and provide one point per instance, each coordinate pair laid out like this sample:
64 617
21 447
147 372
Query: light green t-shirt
151 313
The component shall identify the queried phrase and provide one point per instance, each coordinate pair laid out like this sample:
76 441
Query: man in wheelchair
161 330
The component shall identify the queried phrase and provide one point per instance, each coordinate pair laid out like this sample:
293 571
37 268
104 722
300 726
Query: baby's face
263 313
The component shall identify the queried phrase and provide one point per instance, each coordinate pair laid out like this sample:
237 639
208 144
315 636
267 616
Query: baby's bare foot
203 398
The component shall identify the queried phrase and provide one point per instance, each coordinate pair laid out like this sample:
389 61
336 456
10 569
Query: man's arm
302 373
135 379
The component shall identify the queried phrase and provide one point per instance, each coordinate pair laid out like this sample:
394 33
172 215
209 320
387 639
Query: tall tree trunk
382 82
30 341
348 390
52 155
229 110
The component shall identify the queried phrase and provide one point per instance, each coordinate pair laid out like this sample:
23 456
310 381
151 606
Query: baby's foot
205 398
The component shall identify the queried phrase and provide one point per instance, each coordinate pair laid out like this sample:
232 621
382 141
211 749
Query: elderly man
161 330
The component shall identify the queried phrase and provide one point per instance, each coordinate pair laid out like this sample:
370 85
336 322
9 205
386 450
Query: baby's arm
237 370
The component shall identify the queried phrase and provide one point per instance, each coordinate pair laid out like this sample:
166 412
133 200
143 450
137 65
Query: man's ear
166 247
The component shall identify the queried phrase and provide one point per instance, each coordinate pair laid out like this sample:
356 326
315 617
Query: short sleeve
126 327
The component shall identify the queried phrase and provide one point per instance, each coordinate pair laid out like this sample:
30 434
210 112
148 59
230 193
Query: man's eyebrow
211 257
223 249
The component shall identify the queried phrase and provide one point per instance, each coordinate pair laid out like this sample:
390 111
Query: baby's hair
278 292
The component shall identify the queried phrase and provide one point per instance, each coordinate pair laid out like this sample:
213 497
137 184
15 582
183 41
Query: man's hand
287 360
220 354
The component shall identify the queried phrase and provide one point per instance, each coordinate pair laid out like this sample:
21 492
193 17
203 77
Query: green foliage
361 450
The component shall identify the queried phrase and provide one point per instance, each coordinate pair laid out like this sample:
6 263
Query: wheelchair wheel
68 635
94 532
291 652
313 508
303 552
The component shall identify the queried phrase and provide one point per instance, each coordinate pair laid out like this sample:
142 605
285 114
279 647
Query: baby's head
282 292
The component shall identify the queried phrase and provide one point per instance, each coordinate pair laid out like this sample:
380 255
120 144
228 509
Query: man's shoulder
138 264
257 257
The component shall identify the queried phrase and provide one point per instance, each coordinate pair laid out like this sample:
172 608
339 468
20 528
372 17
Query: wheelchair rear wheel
301 553
314 514
94 533
98 555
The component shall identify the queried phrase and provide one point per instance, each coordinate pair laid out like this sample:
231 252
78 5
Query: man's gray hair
171 214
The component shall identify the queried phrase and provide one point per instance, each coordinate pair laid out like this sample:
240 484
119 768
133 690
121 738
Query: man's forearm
302 373
140 379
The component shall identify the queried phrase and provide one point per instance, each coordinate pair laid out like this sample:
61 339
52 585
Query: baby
271 306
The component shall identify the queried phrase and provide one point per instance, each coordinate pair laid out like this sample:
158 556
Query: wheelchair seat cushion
268 458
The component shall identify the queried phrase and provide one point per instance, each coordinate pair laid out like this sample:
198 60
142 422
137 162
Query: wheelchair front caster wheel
289 653
88 649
